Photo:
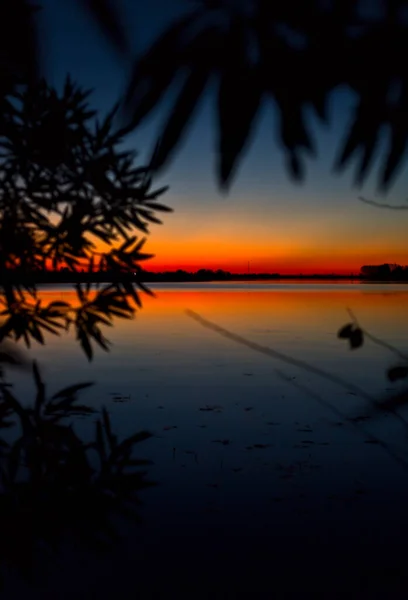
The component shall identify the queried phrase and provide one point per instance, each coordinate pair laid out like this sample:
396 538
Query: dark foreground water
270 484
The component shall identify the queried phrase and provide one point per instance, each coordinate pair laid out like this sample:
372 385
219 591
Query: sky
266 221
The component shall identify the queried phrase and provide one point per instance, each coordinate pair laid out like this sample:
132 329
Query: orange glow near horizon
284 259
281 258
262 256
228 237
274 239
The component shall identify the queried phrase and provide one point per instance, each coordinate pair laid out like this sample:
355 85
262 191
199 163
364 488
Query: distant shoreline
174 277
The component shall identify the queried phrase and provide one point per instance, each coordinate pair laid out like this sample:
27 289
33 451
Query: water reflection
161 340
241 453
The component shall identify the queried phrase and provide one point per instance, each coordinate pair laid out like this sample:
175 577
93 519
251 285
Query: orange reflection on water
297 308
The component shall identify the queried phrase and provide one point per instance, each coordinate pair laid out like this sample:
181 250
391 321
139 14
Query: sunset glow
292 248
266 219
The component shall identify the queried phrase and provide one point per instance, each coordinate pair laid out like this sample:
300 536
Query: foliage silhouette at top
294 53
67 190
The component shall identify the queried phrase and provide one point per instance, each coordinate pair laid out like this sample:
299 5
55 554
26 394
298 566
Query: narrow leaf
106 15
346 331
239 99
180 116
396 373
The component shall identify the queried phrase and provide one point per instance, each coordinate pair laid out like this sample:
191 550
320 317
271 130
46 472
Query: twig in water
266 350
377 340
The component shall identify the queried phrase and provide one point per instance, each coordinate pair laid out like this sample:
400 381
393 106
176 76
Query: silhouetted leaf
83 338
156 194
353 333
146 290
108 429
106 15
153 73
346 331
124 448
391 404
295 167
356 338
72 390
40 398
396 373
242 91
367 158
179 117
12 403
398 147
129 288
363 128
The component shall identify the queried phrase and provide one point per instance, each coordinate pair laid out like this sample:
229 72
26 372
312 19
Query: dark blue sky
320 216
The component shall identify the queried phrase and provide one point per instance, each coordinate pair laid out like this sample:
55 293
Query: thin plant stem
295 362
377 340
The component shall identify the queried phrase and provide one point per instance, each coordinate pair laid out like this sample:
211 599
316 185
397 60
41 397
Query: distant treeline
385 272
220 275
67 276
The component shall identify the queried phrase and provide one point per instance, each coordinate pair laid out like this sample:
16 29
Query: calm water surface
275 468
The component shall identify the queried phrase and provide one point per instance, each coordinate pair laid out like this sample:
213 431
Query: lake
269 476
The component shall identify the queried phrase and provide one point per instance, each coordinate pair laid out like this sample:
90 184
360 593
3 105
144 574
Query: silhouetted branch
383 204
267 351
66 189
49 485
377 340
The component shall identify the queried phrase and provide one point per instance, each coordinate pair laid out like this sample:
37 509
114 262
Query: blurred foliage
53 485
67 190
293 53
